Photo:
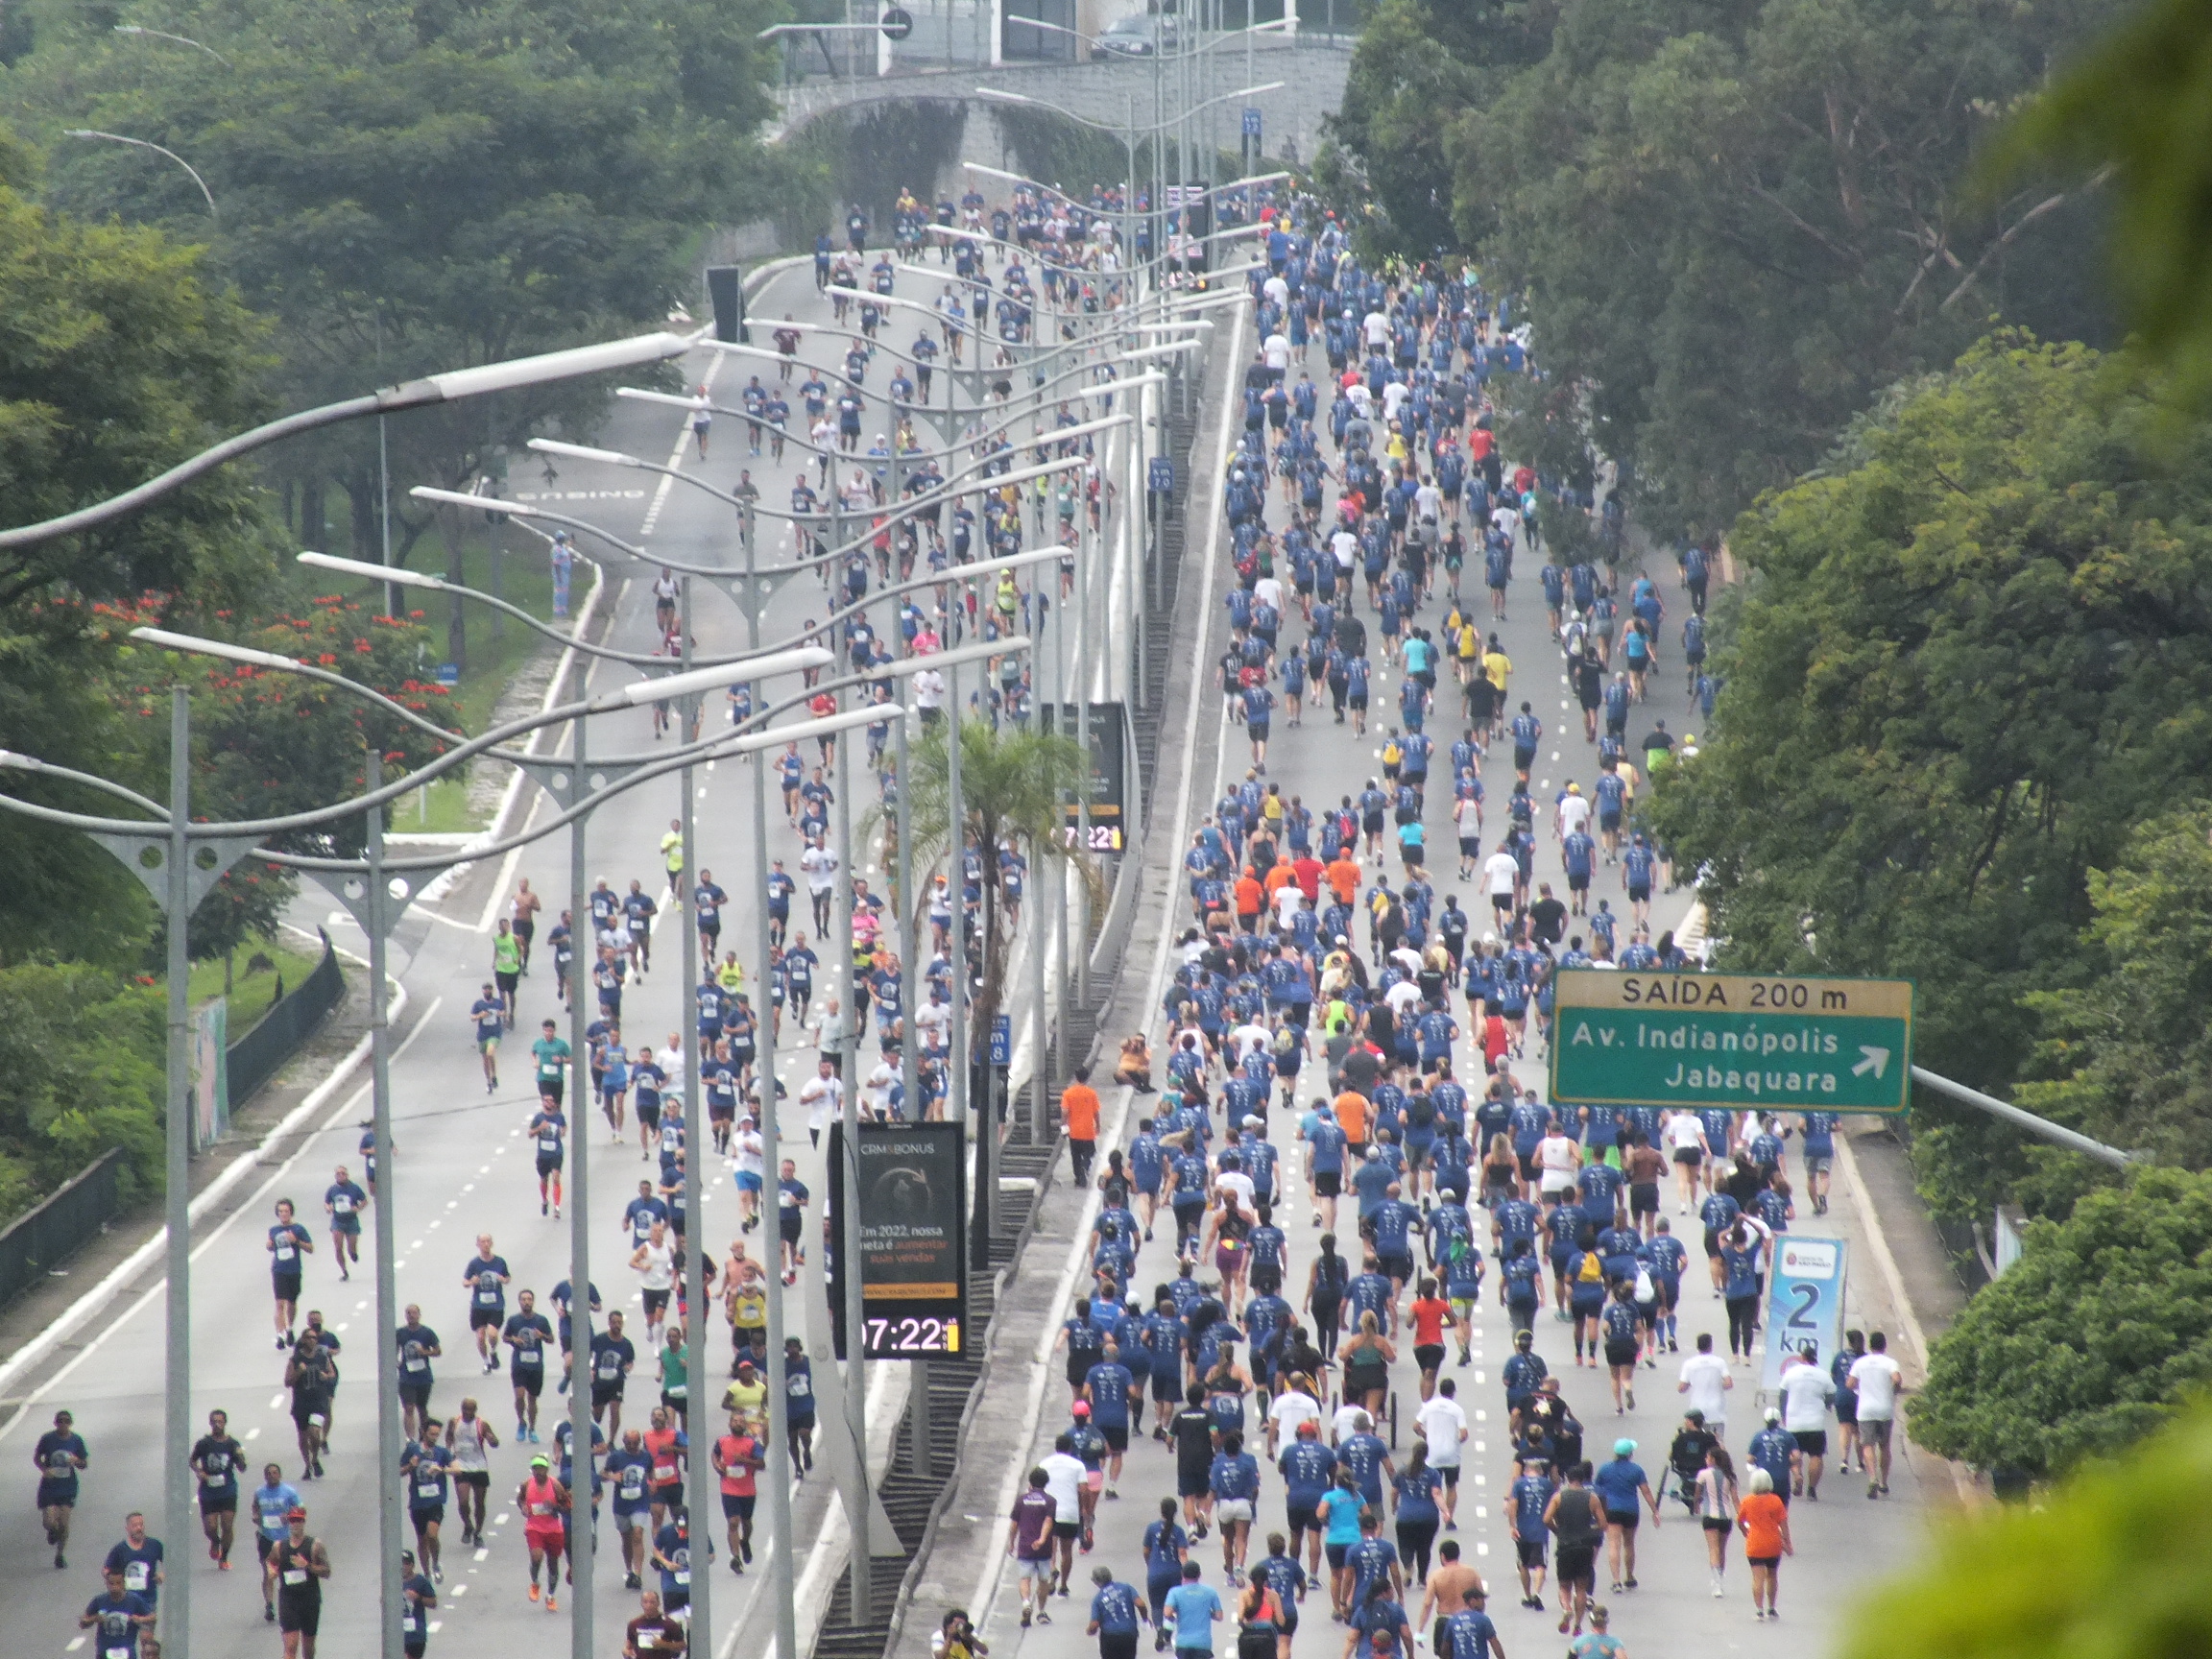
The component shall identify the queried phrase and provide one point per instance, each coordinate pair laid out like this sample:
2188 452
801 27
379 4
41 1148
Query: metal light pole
177 1509
916 986
849 1038
779 1483
702 1482
387 1426
583 957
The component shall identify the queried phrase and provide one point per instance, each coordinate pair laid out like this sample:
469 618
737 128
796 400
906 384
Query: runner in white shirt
1289 900
654 1262
1236 1187
819 863
1501 875
1879 1379
1250 1039
933 1019
1467 820
1806 1396
822 1095
1684 1138
1558 1158
747 1155
1705 1378
1574 811
1402 998
1442 1422
1377 328
876 1095
1291 1407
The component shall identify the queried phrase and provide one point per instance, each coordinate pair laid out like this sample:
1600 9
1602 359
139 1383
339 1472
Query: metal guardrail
261 1053
33 1244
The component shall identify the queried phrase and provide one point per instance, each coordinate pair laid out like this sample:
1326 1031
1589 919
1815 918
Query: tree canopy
404 188
1971 658
1734 223
2088 1342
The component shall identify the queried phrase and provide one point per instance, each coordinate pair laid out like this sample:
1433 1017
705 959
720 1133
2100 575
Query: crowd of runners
1347 1164
986 301
1336 1153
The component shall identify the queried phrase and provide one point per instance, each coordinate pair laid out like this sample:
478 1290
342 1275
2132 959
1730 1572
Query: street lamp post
93 132
186 872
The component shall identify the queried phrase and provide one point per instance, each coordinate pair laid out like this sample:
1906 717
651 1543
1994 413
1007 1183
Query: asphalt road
1844 1543
462 1166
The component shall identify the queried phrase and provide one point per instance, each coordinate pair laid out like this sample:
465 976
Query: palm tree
1015 784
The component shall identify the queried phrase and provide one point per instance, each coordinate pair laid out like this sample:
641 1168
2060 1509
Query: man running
485 1278
549 1129
298 1565
471 1438
288 1243
216 1459
528 1333
489 1012
273 1499
60 1454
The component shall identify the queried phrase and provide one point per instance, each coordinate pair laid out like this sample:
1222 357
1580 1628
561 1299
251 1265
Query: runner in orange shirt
1352 1114
1079 1108
1343 877
1250 896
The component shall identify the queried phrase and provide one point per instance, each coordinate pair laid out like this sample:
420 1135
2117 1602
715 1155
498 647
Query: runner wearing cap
543 1501
296 1566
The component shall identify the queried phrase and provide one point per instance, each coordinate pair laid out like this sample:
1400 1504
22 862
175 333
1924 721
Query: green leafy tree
268 744
122 355
2092 1339
406 189
2124 1056
1976 652
2132 110
2116 1563
1014 788
1418 64
84 1054
1736 224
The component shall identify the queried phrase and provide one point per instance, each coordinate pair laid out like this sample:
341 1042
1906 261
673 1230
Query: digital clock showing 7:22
906 1338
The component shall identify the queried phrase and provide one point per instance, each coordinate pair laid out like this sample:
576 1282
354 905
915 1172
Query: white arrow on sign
1876 1061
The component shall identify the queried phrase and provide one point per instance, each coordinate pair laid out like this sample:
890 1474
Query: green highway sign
1733 1039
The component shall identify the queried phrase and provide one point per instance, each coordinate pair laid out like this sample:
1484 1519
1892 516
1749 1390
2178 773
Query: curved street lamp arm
32 764
293 666
944 451
148 144
672 761
371 572
777 572
444 388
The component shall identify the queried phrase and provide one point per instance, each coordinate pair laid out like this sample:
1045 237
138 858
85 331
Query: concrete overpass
1110 92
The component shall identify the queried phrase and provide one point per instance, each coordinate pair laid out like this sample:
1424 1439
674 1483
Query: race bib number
295 1576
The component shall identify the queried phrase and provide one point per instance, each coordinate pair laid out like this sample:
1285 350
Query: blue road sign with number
1001 1038
1804 1302
1160 475
1251 123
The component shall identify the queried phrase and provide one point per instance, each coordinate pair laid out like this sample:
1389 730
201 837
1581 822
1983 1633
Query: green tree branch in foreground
2117 1564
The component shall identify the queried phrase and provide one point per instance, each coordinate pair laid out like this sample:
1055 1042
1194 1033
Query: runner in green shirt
552 1056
